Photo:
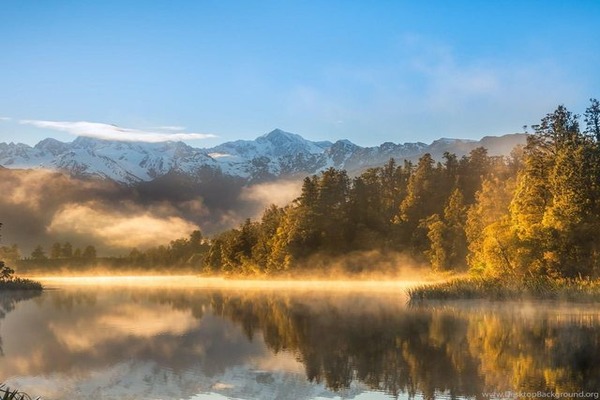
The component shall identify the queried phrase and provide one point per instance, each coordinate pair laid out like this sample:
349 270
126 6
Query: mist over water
190 338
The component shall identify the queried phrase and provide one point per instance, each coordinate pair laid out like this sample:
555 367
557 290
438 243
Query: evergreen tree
552 214
287 244
332 210
365 215
89 253
487 227
455 216
67 250
592 120
446 234
473 169
267 230
38 254
423 199
303 220
56 251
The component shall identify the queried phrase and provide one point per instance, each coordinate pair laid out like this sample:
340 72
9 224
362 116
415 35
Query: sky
207 72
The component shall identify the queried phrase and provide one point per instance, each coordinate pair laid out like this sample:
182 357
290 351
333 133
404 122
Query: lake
187 338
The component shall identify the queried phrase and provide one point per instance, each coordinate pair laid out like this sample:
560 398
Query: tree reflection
8 301
456 349
452 350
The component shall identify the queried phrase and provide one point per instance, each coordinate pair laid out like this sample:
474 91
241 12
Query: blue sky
368 71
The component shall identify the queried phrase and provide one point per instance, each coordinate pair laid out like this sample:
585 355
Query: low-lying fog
40 207
186 281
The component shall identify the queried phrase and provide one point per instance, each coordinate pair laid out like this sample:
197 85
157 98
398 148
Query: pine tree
592 119
366 214
551 211
446 234
38 254
56 251
67 250
423 199
473 169
486 228
89 252
267 230
332 209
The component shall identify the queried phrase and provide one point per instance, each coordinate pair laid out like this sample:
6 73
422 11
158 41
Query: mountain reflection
339 339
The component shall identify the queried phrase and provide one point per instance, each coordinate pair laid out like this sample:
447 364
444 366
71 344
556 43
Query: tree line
535 212
181 254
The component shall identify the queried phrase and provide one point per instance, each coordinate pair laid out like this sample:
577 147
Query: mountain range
275 155
121 195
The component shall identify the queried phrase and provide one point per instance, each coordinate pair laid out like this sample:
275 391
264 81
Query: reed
7 394
543 288
20 284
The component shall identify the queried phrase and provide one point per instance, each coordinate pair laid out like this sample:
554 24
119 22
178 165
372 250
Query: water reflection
178 343
9 300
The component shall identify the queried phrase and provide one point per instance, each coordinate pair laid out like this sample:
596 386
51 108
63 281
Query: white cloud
5 118
171 128
111 132
141 229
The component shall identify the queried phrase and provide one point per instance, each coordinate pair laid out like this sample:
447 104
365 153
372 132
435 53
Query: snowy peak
281 139
278 135
341 151
20 155
124 162
276 143
283 143
274 155
51 146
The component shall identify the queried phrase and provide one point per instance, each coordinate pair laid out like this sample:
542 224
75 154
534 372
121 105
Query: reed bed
20 284
542 288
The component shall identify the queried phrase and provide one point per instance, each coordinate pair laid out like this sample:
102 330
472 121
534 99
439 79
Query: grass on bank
20 284
8 281
542 288
7 394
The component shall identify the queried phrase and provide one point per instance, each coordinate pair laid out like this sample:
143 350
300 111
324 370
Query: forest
533 213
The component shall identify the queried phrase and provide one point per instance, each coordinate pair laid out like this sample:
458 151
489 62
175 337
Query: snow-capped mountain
274 155
124 162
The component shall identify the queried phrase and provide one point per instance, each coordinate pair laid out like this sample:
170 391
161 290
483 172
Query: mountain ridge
276 154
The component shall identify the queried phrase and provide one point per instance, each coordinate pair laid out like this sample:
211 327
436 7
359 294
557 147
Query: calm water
176 340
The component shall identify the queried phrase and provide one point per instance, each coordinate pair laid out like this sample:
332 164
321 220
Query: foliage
419 210
8 281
